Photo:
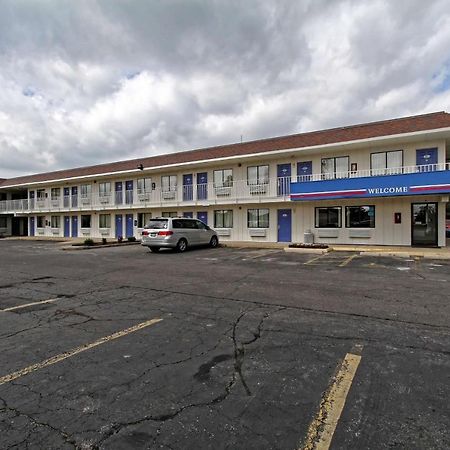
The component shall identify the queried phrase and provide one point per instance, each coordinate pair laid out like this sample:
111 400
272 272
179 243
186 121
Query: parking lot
119 348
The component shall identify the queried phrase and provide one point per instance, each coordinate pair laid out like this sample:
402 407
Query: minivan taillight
145 233
165 233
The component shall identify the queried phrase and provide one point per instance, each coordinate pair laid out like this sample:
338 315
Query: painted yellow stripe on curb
321 430
75 351
13 308
344 263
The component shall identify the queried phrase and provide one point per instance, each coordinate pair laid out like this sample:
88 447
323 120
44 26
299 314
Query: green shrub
88 242
104 241
131 239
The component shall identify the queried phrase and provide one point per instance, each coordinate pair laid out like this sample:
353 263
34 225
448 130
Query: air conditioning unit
258 189
223 191
144 197
85 201
104 200
168 195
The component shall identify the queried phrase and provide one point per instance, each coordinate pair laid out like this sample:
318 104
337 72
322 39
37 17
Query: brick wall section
335 135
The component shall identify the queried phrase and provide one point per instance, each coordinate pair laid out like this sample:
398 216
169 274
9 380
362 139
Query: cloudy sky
84 82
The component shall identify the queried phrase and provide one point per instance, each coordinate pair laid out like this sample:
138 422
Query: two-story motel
381 183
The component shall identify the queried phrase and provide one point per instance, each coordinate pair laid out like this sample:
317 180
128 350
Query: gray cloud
87 82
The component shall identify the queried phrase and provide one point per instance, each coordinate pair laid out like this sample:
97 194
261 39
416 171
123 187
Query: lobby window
223 218
85 221
257 175
144 185
104 189
360 216
85 190
258 218
55 193
386 163
143 219
335 167
328 217
40 221
169 183
104 220
55 221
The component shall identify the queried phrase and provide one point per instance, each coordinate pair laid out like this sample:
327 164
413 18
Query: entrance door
66 226
74 226
203 216
119 226
424 224
284 225
129 228
283 179
187 187
304 171
426 159
202 186
66 197
74 196
119 197
31 226
129 192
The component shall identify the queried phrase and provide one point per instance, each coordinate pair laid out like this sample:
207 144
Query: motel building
380 183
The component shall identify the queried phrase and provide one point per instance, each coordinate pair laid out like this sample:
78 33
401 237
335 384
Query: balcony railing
239 191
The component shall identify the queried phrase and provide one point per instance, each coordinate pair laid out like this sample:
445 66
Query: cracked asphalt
248 343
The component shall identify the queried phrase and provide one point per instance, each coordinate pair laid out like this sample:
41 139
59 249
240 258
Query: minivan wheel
182 245
214 242
154 249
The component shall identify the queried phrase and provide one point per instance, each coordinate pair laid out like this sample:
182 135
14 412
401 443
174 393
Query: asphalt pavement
119 348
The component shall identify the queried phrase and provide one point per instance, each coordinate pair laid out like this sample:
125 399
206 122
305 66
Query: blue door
129 192
66 226
283 179
129 228
203 216
284 225
66 199
188 214
119 226
119 195
32 226
427 158
75 226
304 171
202 186
74 197
187 187
32 200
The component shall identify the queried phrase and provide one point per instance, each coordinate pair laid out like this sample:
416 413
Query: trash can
308 237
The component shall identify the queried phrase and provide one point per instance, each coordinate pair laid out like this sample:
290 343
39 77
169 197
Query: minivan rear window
157 224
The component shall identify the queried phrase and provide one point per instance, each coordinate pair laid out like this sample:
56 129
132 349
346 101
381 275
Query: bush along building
380 183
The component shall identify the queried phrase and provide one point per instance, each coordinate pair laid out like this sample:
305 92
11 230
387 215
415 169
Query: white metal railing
196 194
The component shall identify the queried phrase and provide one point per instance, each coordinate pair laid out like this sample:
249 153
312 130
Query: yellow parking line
312 260
321 430
344 263
13 308
75 351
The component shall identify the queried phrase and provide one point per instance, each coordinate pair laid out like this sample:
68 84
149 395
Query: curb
317 251
94 247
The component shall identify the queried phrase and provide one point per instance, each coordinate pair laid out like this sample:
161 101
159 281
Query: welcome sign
437 182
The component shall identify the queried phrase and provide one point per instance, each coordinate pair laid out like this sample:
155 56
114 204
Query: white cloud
88 82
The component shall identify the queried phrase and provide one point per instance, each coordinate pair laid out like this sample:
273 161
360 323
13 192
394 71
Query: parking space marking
344 263
26 305
322 428
312 260
62 356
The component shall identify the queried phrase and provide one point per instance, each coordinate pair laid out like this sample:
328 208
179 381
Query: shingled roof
390 127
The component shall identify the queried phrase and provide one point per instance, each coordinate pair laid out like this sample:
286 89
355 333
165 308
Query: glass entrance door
424 224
